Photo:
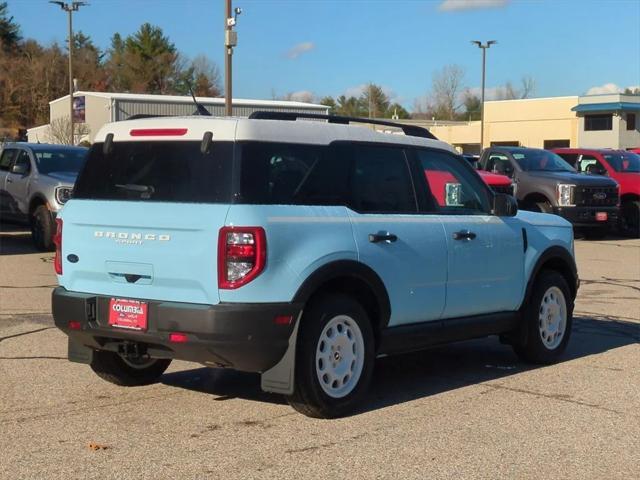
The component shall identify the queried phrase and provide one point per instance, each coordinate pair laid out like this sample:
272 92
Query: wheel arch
629 197
536 197
35 202
351 278
558 259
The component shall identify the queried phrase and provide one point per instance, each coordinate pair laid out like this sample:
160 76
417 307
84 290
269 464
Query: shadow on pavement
403 378
15 239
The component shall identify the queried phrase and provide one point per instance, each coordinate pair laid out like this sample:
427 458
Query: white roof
238 129
239 102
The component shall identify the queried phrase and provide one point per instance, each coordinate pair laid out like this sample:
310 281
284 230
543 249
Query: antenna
201 110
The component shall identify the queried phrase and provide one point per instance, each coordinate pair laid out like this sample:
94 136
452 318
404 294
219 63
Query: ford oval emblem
599 196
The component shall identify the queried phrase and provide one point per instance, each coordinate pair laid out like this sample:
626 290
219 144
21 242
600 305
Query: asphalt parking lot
466 410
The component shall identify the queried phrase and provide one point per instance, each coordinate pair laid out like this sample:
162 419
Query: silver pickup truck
35 182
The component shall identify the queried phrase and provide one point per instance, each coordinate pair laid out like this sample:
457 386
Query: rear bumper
586 216
240 336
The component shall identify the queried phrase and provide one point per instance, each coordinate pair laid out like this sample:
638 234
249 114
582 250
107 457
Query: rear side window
292 174
158 172
381 180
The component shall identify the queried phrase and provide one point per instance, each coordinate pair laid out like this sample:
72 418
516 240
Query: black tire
630 219
309 397
42 229
111 367
595 233
529 345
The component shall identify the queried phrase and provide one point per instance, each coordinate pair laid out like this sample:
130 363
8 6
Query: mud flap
280 378
79 353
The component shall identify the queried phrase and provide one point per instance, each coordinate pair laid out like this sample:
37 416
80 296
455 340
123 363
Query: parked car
36 180
498 183
301 250
623 167
546 183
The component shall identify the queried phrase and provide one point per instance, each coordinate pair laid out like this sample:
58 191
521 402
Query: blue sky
331 47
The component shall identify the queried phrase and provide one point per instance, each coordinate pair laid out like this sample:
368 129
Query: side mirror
504 205
20 169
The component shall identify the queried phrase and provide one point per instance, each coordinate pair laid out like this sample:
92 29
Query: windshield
60 160
541 161
624 162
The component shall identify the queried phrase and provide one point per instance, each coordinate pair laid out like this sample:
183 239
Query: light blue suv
300 248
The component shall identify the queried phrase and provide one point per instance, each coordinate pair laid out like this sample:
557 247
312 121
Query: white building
93 109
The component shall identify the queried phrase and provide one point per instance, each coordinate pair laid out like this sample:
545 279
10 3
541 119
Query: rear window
158 172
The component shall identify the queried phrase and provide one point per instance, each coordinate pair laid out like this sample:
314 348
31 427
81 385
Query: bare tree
509 92
446 87
207 77
59 132
528 86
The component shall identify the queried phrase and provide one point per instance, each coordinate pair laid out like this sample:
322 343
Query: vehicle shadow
408 377
15 239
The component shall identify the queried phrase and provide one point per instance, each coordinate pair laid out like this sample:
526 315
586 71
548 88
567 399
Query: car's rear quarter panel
300 239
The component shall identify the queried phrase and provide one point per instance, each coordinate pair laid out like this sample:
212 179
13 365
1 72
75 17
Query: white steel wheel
552 317
339 356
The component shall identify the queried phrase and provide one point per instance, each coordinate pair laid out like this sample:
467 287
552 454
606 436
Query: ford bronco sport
546 183
298 249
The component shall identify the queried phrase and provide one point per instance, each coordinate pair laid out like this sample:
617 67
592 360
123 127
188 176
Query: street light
484 48
70 7
230 41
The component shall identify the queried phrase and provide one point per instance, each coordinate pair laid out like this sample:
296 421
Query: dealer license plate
131 314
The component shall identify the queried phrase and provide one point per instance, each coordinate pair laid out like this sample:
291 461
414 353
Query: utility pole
230 41
484 48
70 7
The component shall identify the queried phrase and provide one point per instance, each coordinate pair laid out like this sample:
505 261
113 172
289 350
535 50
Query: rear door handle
382 237
9 180
464 235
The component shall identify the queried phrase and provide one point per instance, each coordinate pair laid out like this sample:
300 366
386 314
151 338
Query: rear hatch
144 221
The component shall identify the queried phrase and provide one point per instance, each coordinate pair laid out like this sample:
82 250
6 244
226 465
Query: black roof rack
411 130
139 116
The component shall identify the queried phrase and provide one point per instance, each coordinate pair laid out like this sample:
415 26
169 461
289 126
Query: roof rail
139 116
411 130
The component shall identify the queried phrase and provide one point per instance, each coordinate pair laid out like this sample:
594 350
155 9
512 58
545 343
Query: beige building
588 121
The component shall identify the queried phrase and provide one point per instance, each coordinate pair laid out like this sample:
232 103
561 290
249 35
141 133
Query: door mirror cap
20 169
504 205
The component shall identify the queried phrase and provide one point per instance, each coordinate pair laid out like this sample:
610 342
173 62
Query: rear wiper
145 191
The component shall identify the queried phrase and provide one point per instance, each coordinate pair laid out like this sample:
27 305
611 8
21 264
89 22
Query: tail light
57 241
242 254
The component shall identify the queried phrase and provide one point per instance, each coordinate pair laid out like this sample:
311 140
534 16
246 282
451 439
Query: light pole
484 48
230 41
70 7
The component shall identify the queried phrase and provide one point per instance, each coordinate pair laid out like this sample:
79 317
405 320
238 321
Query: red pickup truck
621 165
